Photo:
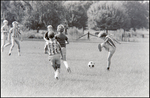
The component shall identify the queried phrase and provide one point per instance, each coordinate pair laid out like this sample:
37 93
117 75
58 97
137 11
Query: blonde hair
5 21
60 28
49 26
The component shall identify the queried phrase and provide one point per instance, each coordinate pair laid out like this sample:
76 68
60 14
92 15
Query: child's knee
102 44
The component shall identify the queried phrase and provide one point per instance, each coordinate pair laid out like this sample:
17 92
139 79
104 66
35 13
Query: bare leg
17 42
12 45
109 59
2 46
46 48
9 43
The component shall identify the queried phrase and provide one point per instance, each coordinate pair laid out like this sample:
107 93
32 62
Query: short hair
5 21
49 26
15 22
60 28
103 34
51 35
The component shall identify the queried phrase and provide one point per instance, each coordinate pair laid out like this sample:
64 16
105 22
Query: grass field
32 75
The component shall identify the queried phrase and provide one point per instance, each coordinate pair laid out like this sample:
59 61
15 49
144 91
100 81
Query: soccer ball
91 64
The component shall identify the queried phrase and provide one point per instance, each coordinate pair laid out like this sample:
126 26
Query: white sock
56 73
66 64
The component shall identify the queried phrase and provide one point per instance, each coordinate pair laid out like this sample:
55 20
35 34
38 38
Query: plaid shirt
54 47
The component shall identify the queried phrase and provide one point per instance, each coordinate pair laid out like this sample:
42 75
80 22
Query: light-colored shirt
110 41
14 32
4 29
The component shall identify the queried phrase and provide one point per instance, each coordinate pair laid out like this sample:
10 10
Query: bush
74 33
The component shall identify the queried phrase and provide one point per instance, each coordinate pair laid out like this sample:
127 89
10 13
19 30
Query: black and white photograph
95 48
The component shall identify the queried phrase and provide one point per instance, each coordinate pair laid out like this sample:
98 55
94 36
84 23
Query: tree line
98 15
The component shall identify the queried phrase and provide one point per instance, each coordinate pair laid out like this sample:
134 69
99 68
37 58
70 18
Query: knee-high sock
66 64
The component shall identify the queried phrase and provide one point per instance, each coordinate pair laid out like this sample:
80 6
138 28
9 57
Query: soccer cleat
107 68
56 78
69 70
99 47
46 52
9 54
19 54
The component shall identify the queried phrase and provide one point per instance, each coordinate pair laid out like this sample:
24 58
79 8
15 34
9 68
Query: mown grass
32 75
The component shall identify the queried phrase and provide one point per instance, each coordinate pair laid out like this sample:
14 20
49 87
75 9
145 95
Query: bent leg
12 45
17 42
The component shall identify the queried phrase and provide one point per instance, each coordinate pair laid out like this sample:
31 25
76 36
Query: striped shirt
110 41
53 47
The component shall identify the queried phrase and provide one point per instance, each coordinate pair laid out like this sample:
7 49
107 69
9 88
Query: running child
63 40
55 53
46 38
4 33
20 37
109 46
14 37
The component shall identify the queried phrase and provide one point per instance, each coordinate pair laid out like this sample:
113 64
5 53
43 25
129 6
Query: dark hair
103 35
51 35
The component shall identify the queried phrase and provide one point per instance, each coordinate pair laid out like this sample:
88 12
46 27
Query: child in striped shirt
109 46
55 53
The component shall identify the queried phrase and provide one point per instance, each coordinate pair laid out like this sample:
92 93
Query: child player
14 34
46 38
4 32
54 51
109 46
20 38
62 39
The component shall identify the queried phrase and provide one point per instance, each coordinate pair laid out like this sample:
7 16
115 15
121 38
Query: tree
76 13
107 15
138 14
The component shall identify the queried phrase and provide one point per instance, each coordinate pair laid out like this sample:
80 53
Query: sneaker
19 54
69 70
99 47
9 54
107 68
56 78
46 52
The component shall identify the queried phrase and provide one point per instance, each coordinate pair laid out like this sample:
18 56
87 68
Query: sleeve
46 35
55 36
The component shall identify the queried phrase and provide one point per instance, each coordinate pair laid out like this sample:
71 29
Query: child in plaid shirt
54 52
